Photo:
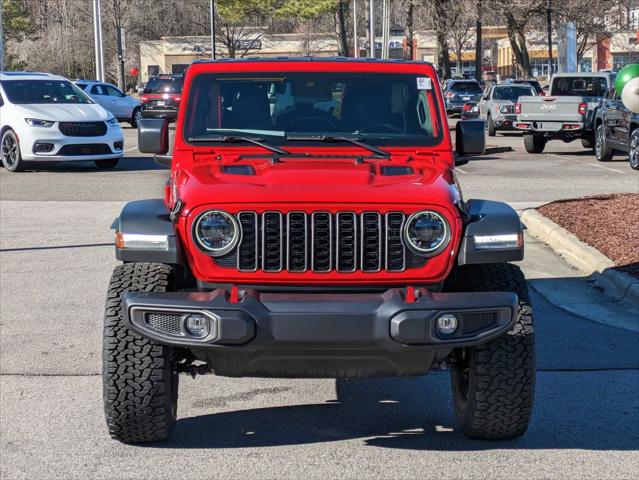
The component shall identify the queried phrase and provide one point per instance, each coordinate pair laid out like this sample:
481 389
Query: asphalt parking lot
56 256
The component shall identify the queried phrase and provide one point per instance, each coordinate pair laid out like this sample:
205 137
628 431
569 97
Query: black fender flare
487 218
147 218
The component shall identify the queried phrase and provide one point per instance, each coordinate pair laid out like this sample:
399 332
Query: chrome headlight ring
439 246
234 233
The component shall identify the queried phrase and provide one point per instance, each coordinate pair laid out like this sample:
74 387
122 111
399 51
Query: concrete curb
618 285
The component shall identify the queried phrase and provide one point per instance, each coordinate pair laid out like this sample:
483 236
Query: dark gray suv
458 92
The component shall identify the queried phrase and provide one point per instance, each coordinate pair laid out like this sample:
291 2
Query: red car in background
161 96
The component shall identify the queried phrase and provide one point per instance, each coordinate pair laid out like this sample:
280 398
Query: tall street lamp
212 12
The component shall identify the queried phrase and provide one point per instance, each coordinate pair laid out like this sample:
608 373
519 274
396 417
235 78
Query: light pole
549 16
97 33
355 42
371 27
1 41
212 12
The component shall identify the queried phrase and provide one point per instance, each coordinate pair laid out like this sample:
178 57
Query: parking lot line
587 163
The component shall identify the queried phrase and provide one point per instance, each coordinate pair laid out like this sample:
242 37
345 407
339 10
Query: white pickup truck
566 113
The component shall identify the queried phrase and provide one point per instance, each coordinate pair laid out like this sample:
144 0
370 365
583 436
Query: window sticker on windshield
424 83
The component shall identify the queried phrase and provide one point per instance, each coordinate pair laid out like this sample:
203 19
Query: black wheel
136 117
493 383
534 143
140 383
110 163
633 151
603 152
492 129
588 142
10 152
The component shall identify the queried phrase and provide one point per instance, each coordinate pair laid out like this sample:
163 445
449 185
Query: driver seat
365 105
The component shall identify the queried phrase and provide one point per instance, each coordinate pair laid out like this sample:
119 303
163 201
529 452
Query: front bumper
320 334
505 121
66 148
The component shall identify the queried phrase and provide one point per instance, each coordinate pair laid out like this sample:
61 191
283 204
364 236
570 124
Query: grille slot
247 257
297 240
272 244
346 242
322 242
371 239
395 256
167 322
83 129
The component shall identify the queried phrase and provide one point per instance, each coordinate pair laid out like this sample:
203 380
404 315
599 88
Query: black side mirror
153 136
470 138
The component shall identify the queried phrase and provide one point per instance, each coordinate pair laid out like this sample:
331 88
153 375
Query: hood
318 181
66 112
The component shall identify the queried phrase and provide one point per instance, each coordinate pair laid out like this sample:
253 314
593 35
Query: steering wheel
380 126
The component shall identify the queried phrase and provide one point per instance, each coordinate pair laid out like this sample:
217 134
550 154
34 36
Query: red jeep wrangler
312 226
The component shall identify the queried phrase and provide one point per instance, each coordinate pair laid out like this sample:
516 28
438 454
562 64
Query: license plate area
548 126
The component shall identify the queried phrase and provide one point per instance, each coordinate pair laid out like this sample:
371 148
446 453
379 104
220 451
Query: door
483 104
120 102
614 117
99 94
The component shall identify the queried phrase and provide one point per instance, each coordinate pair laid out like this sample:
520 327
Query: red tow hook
410 295
234 294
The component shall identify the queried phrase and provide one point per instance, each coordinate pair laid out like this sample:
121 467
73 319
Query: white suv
44 117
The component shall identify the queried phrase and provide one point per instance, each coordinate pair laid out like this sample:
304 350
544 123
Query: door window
112 91
97 90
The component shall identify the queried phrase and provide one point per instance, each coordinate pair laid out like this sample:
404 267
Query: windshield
43 91
512 93
377 108
164 85
580 86
472 87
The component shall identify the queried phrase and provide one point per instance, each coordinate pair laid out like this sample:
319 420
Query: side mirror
470 138
485 98
153 136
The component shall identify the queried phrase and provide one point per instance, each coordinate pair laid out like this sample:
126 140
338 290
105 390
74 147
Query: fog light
42 147
447 324
196 325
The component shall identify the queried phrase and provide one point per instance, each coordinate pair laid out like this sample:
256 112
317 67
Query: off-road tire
140 384
493 383
534 143
633 150
110 163
492 129
603 152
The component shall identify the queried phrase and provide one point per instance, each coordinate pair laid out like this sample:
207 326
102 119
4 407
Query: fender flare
152 234
490 219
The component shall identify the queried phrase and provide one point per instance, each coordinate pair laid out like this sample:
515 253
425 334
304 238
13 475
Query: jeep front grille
321 242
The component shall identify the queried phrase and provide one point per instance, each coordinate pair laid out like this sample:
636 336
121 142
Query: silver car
123 107
497 106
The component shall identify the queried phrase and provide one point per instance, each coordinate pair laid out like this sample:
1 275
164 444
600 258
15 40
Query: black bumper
168 113
321 335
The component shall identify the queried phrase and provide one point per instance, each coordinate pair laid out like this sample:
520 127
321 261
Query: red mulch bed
610 223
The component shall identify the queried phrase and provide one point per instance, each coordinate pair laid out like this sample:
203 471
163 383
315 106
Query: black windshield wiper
331 139
237 139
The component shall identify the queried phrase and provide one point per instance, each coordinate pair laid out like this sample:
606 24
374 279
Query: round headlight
426 232
216 232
